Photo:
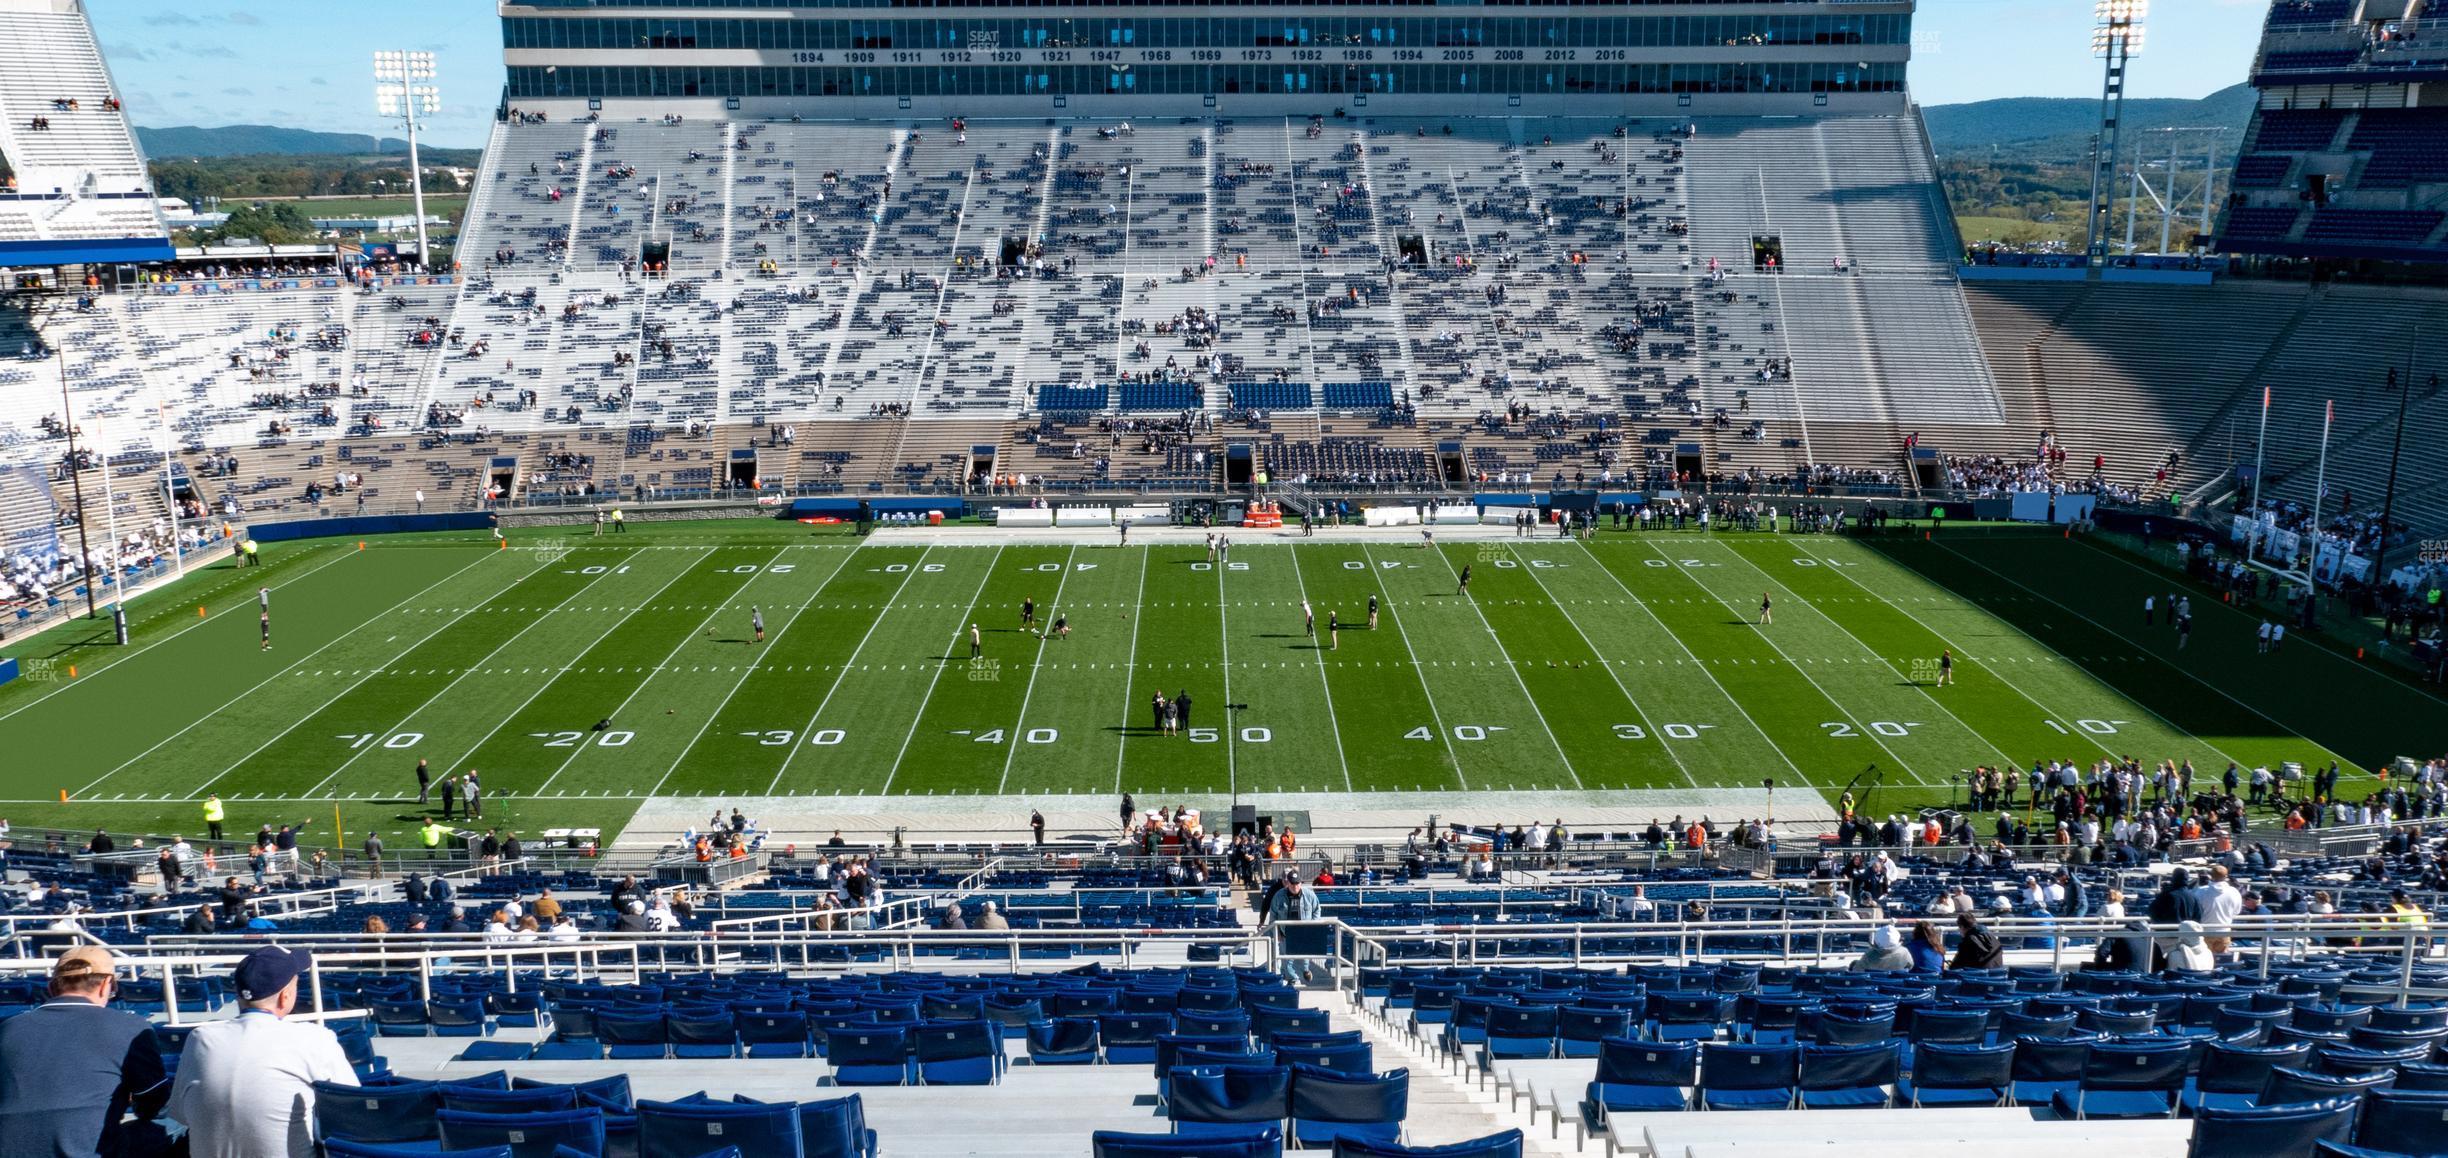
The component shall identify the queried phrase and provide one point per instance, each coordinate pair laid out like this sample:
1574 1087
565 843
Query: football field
583 675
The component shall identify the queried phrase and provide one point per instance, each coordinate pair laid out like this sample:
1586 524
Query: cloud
166 19
238 92
247 18
131 52
316 80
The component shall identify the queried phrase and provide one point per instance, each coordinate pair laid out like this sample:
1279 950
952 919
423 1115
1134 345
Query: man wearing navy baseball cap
245 1086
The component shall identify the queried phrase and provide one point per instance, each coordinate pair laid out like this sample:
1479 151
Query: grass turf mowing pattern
1631 662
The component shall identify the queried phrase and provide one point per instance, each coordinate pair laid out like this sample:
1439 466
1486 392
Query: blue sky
301 64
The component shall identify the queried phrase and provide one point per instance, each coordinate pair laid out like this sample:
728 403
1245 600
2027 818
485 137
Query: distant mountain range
2056 129
271 140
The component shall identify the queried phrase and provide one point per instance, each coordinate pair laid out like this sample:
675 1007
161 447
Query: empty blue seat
401 1112
344 1148
633 1036
1643 1076
780 1034
1521 1031
1063 1041
1328 1106
1130 1038
482 1050
526 1100
539 1134
2404 1121
702 1035
1266 1142
1227 1099
1740 1076
2270 1131
463 1017
691 1129
835 1129
1960 1074
958 1053
2287 1084
869 1056
1581 1030
1834 1077
1210 1022
2128 1079
1504 1145
2233 1075
1350 1058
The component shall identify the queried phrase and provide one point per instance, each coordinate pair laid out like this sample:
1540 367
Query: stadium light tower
403 88
2116 37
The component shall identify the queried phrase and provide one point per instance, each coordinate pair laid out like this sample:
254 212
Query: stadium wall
366 525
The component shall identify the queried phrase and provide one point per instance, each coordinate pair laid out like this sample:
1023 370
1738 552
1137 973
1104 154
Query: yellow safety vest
212 810
433 835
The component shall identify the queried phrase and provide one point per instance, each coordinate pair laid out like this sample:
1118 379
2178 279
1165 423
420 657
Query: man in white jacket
245 1086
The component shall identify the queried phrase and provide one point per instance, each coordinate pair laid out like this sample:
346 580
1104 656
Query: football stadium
1375 579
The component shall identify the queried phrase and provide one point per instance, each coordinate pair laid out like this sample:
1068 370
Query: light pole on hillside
403 88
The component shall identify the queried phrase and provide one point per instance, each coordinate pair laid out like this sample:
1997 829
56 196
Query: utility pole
76 479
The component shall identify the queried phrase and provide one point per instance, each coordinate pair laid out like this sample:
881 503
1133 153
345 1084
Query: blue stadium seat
2404 1121
1227 1099
1960 1074
345 1148
2269 1131
2287 1084
1329 1105
1504 1145
403 1112
1063 1041
1350 1058
1738 1076
702 1036
836 1129
775 1035
1581 1032
2128 1079
633 1036
1643 1076
690 1129
1265 1142
1834 1077
870 1056
2232 1075
524 1100
958 1053
538 1134
1130 1038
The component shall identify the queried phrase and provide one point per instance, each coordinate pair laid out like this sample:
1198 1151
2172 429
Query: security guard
213 816
432 834
620 522
248 548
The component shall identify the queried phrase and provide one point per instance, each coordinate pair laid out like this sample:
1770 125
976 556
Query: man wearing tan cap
71 1067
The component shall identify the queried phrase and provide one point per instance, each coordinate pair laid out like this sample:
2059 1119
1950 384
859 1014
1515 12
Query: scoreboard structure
865 58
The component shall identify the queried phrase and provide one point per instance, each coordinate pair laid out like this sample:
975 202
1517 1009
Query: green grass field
1630 662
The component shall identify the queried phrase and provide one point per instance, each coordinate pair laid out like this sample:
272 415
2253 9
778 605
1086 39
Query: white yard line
1859 727
1326 692
555 677
1647 724
1451 755
2004 756
1232 770
920 716
1130 670
1012 750
674 653
464 673
268 680
798 738
1511 667
238 576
